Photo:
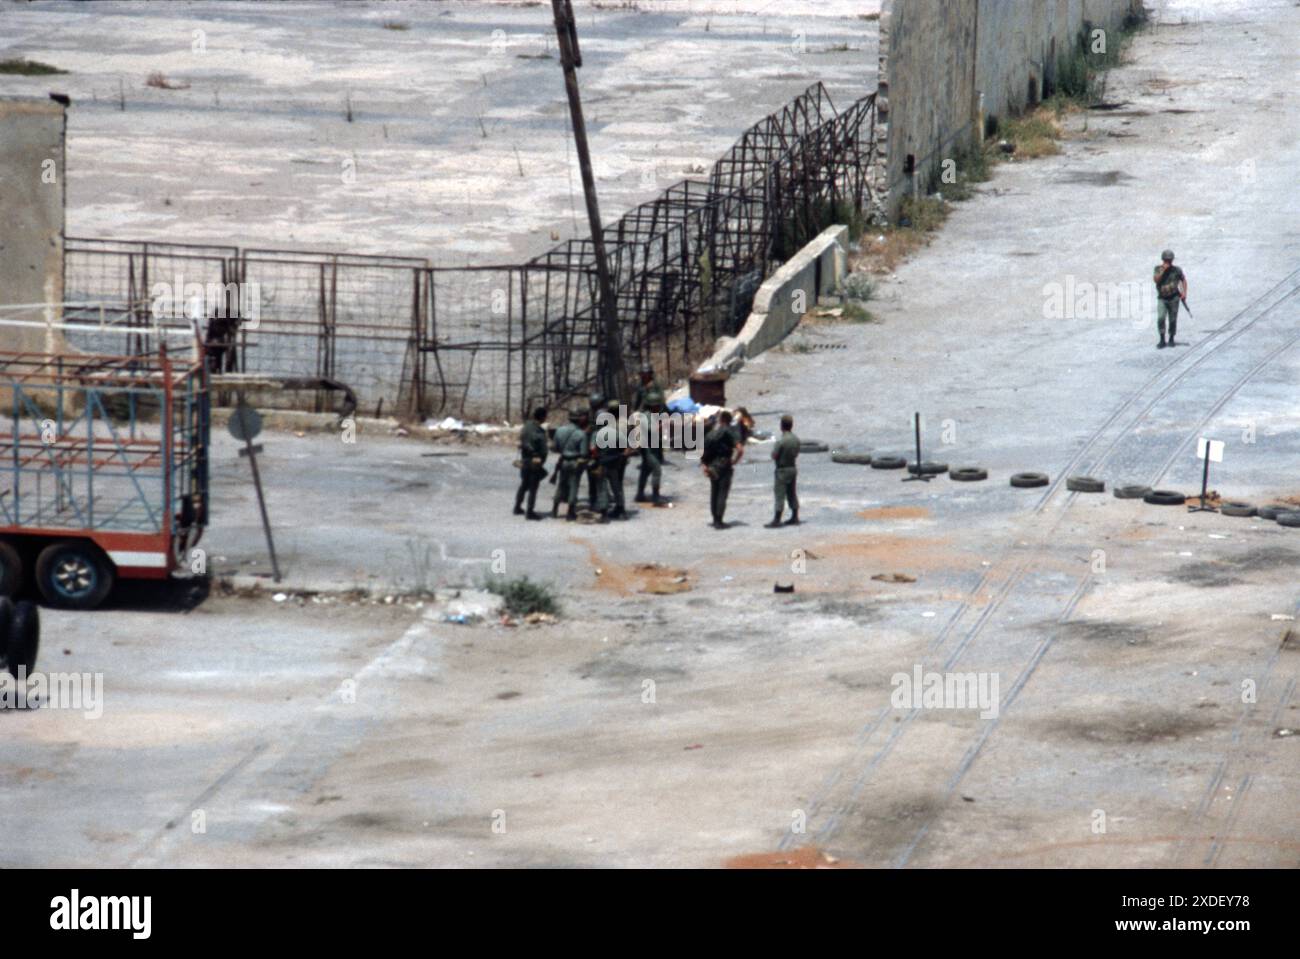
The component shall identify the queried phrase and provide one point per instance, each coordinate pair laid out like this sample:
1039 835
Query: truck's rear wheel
23 640
73 574
11 569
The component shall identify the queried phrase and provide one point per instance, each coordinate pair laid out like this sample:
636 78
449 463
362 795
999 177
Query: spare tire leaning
968 474
854 459
927 468
1231 508
888 462
24 638
1291 519
1029 480
6 618
1164 497
1131 492
1085 484
1272 510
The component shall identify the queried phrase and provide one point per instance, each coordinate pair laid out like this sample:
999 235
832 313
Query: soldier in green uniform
595 406
609 449
722 451
532 462
784 455
652 451
647 389
1171 289
571 445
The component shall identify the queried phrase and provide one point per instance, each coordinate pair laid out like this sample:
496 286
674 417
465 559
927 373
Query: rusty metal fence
416 339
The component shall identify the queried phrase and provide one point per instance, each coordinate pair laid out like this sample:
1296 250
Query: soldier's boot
655 497
776 521
640 487
571 515
1173 328
793 520
532 505
555 509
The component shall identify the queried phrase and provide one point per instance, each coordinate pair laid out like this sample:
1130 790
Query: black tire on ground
23 639
968 474
11 569
74 574
853 459
888 462
1029 480
1085 484
1164 497
927 468
813 446
1237 509
1291 519
6 617
1131 492
1272 510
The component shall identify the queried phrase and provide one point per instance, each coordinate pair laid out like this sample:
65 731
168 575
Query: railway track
1006 575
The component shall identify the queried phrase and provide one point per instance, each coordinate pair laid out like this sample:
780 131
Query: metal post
613 380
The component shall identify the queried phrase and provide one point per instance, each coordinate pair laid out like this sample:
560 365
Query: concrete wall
938 56
788 294
32 178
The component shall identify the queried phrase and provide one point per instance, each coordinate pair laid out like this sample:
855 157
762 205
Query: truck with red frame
103 467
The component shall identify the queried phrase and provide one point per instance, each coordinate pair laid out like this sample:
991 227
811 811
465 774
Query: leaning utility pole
613 381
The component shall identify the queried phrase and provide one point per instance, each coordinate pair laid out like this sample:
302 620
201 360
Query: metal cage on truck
103 468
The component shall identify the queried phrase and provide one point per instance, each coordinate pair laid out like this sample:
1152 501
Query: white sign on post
1215 448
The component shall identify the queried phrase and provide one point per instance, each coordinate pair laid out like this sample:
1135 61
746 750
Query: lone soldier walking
722 451
571 444
784 455
532 462
1171 289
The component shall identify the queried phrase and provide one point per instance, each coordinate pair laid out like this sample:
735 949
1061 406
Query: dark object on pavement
968 474
813 446
1272 510
1164 497
1029 480
928 468
855 459
1131 492
778 588
888 462
22 638
1237 509
1085 484
1291 519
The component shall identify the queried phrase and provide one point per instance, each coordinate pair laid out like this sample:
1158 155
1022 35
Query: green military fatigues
607 451
784 454
648 394
719 447
652 455
571 444
532 446
1169 296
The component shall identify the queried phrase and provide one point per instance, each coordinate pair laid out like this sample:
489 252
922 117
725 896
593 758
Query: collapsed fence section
413 339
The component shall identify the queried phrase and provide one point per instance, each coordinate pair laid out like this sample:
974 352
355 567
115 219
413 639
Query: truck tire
888 462
928 468
1291 519
968 474
813 446
1271 511
1164 497
1029 480
6 618
1131 492
1085 484
11 569
73 574
1237 509
23 639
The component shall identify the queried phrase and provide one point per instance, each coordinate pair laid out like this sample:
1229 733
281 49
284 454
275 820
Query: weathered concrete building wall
938 56
32 167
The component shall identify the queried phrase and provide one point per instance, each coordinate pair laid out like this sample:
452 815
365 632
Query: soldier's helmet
1168 255
596 400
612 406
647 367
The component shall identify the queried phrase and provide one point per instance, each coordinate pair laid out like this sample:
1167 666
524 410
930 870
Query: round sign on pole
245 423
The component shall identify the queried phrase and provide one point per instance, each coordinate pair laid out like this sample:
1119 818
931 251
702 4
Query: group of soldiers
599 447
